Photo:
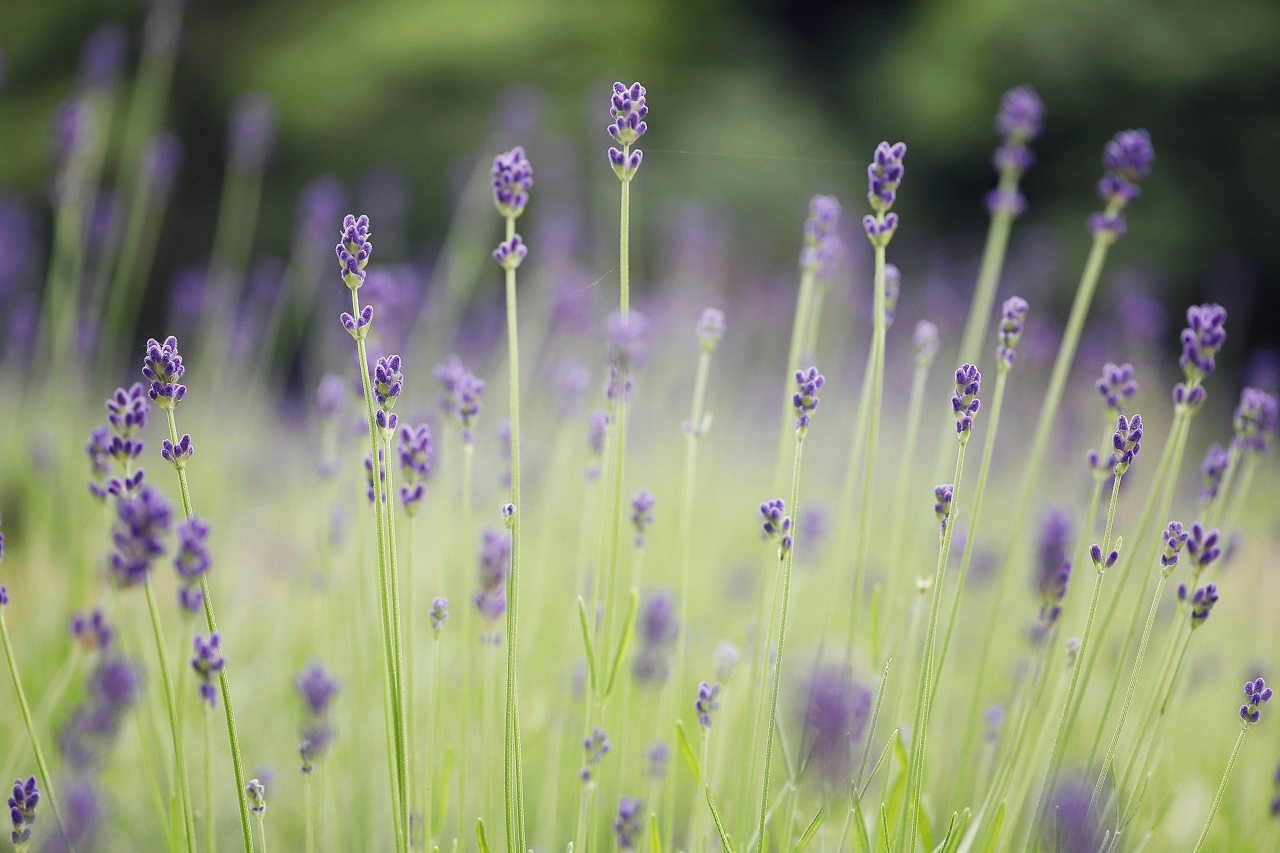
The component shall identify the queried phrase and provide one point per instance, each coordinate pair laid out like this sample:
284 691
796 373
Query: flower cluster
658 626
596 746
629 824
942 497
439 614
710 328
117 441
142 520
460 394
1117 386
317 688
641 514
208 663
1018 122
257 797
92 631
628 340
388 382
836 712
1054 569
656 757
1201 340
1256 693
805 399
192 562
510 253
925 341
511 178
964 403
821 243
1203 547
113 684
1216 460
707 703
883 176
1127 159
1013 318
415 463
1201 602
353 251
22 810
495 553
1255 420
1126 442
1175 537
163 367
777 524
627 111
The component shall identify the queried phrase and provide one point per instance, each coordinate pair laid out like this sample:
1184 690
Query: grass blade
586 641
628 628
689 756
715 816
810 831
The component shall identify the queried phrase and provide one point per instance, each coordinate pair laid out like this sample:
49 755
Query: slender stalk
994 251
309 811
179 757
1055 756
1222 789
904 469
403 750
224 680
468 638
782 634
45 778
799 326
1177 657
924 695
433 740
210 833
1128 697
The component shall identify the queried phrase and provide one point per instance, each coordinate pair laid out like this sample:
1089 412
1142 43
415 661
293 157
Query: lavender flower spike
1127 159
192 562
641 514
710 329
819 232
805 399
1256 693
142 522
1203 547
1212 470
415 463
926 342
1175 537
257 797
1021 115
512 178
163 367
207 663
354 249
707 703
1054 569
510 253
942 496
629 824
1255 420
777 524
1201 602
1117 386
439 614
1018 122
964 403
883 176
627 112
596 746
22 811
1201 340
1014 317
1127 442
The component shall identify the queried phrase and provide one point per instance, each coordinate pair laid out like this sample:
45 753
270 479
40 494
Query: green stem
468 637
179 757
45 778
782 634
848 492
400 717
1222 789
924 694
993 256
899 515
799 324
224 680
433 735
210 835
624 243
310 828
1177 657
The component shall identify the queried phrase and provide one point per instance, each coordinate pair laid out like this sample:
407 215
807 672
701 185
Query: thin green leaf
875 621
689 756
898 792
628 628
955 833
996 823
884 828
586 641
809 832
440 797
655 836
876 767
946 839
861 824
922 826
480 839
715 816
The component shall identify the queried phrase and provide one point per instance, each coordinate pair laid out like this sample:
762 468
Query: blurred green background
755 106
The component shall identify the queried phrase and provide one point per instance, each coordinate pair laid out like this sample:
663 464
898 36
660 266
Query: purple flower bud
1255 420
208 663
926 342
821 241
884 174
965 403
1129 154
627 111
331 395
1203 547
629 824
127 410
1174 538
439 614
1020 116
354 250
1010 201
1256 693
1201 340
1201 602
382 476
511 179
253 121
1126 442
942 496
192 561
317 687
1053 568
178 454
510 253
658 628
1111 224
710 329
1212 470
880 232
805 399
1014 316
596 746
257 797
707 703
461 394
163 367
102 56
1117 386
641 514
92 631
657 755
142 522
22 810
777 524
388 382
415 451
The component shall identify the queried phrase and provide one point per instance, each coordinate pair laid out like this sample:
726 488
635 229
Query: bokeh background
756 105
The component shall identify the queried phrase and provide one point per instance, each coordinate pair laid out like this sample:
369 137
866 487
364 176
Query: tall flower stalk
1256 694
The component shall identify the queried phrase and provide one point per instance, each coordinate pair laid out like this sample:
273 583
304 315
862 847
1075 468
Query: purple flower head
1013 318
1053 569
892 287
625 165
1117 386
161 158
1212 470
1256 693
641 513
114 685
880 231
22 811
142 520
964 403
1005 200
354 249
460 397
388 382
192 560
657 755
1174 537
596 746
627 111
942 496
1112 225
1070 825
253 121
92 631
710 328
127 410
317 687
1020 116
416 451
707 703
257 797
805 399
1255 419
96 448
926 342
629 824
617 386
1102 562
208 663
628 340
177 455
331 396
726 660
884 174
4 595
1129 154
658 625
102 56
1201 602
511 179
439 614
510 253
1202 546
777 524
495 554
162 368
836 712
821 241
1201 340
1126 442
